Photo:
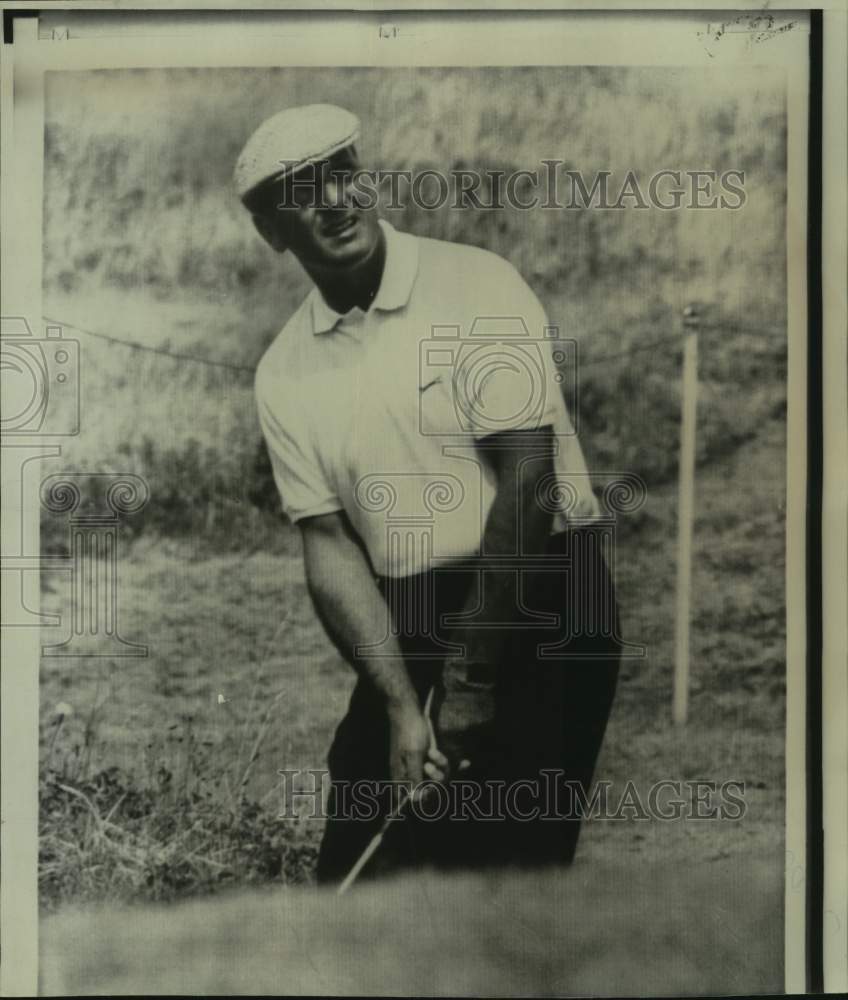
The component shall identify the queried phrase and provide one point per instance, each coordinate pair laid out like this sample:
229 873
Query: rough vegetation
163 782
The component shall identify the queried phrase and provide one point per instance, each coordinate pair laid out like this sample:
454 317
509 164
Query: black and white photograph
416 467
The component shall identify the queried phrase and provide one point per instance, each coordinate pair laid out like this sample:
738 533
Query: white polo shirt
379 413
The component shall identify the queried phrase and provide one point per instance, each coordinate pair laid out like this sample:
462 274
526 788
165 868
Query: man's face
322 223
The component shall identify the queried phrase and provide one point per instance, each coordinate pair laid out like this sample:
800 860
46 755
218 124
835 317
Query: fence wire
700 328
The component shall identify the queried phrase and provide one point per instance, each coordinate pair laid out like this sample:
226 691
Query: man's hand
413 755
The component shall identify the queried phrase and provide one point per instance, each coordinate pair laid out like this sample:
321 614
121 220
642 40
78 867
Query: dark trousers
548 710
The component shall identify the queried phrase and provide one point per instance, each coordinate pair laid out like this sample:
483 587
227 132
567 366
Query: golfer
419 439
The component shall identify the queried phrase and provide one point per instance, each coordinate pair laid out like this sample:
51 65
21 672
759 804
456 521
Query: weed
184 826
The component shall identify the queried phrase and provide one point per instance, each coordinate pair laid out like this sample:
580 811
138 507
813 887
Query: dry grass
148 170
179 824
145 241
241 626
144 799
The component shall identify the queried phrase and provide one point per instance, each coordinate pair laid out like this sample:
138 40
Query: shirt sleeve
508 380
304 488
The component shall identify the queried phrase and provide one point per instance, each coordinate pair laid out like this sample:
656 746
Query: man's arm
355 614
517 524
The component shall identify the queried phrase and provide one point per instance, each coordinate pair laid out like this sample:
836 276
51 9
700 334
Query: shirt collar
399 273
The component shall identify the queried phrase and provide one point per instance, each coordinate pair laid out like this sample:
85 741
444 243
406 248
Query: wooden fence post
685 514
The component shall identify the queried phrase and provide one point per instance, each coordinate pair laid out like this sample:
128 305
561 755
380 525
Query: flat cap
290 139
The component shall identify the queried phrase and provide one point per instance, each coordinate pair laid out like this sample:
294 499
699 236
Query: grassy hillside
139 170
172 789
144 240
189 785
